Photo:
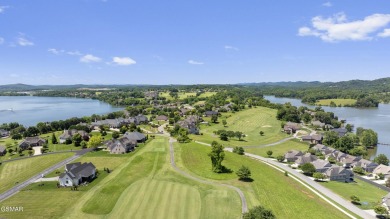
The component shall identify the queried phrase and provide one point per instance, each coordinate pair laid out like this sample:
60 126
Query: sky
192 42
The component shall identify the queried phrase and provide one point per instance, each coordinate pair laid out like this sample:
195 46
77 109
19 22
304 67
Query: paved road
244 205
24 184
331 195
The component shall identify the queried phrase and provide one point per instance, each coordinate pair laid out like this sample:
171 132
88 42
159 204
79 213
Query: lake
377 119
29 110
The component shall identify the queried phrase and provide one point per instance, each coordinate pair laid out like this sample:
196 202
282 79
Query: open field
369 195
279 149
207 94
250 122
342 102
21 170
183 95
270 188
142 185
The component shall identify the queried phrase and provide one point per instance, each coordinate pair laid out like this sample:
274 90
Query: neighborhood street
24 184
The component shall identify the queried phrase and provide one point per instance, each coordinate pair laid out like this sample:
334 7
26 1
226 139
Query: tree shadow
246 180
226 170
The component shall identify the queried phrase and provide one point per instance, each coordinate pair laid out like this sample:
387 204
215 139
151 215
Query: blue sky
189 42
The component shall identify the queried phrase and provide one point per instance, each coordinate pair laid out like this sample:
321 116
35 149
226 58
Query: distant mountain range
382 82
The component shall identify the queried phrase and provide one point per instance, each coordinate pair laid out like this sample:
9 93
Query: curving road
24 184
244 205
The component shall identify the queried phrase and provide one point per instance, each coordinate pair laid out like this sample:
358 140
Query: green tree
381 159
355 200
381 210
115 135
330 138
94 141
30 152
280 158
54 139
217 155
239 135
269 153
308 169
318 176
258 212
358 170
261 133
224 123
344 144
223 136
239 150
123 129
369 138
243 173
83 144
77 139
349 127
214 118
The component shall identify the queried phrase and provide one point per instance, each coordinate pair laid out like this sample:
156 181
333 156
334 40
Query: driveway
37 150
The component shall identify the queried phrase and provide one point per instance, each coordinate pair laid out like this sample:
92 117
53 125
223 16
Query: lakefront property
194 110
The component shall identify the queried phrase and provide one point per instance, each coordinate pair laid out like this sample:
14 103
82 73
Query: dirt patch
266 126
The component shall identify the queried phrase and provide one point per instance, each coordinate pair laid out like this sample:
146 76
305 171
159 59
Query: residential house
77 173
141 119
210 113
68 134
3 150
189 125
337 173
4 133
292 155
31 142
121 146
340 131
306 158
162 118
318 124
367 165
319 148
382 169
386 202
321 165
313 139
348 160
291 127
135 136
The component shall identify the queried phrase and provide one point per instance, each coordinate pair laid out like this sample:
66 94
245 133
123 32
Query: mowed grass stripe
153 205
143 197
21 170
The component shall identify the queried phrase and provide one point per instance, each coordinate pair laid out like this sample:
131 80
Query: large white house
77 173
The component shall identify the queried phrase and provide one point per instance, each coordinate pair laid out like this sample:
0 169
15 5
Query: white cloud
1 40
231 48
74 53
338 28
327 4
123 61
385 33
54 51
192 62
24 42
2 8
90 58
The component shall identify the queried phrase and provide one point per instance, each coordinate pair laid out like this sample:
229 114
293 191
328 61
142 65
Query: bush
258 212
308 169
269 153
280 158
243 173
358 170
239 150
355 200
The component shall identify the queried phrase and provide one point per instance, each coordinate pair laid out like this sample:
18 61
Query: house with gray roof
313 139
4 133
77 173
68 134
348 160
306 158
135 136
382 169
367 165
292 155
121 146
321 165
31 142
318 124
291 127
337 173
162 118
210 113
3 150
189 125
340 131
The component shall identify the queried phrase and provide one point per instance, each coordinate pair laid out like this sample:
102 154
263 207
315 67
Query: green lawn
342 102
21 170
279 149
142 185
207 94
369 195
250 122
270 188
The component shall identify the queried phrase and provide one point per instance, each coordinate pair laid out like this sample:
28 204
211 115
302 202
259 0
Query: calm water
28 110
377 119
